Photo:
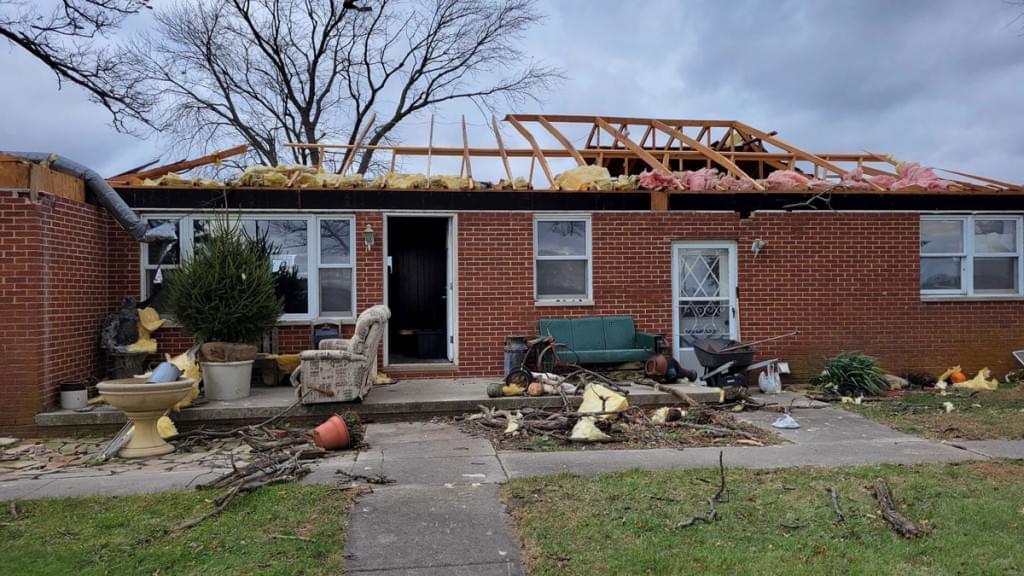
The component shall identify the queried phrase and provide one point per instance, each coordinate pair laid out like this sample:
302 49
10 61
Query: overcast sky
935 81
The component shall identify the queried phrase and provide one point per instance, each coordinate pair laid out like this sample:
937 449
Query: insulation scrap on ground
586 430
983 380
600 400
583 178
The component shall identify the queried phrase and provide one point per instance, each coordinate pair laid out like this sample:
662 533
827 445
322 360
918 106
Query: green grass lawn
287 529
981 416
774 522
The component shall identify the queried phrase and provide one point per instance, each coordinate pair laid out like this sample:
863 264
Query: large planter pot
227 380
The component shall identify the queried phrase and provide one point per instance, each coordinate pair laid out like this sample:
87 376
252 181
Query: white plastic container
73 396
227 380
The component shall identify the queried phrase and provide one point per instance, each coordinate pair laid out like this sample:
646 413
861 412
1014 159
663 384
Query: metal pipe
106 196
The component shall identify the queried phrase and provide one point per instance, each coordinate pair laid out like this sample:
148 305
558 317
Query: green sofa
600 339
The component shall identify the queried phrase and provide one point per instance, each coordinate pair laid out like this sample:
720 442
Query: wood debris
898 522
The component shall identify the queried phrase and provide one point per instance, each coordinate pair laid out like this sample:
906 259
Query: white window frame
145 266
588 298
968 255
186 248
350 266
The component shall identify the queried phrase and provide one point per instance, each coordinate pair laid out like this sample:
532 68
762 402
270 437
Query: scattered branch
840 517
712 514
898 522
69 39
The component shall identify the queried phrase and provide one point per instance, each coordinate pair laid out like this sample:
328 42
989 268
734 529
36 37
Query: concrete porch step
415 399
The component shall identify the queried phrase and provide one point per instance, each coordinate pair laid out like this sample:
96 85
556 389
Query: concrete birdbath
144 404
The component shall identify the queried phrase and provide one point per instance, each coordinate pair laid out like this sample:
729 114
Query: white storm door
703 295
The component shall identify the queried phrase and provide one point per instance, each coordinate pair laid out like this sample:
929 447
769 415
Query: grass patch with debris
286 529
773 522
975 416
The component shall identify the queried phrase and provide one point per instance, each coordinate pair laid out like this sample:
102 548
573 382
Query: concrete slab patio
403 400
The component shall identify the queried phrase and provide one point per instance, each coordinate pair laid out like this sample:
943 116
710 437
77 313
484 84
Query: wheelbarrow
726 361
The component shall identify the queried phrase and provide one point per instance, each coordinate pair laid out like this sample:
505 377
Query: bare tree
68 40
306 71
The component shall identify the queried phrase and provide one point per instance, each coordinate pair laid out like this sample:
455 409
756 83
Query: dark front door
417 289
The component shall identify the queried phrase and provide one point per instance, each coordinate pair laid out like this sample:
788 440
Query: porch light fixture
368 237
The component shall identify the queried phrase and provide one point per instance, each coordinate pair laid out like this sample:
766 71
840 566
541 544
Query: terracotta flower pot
332 434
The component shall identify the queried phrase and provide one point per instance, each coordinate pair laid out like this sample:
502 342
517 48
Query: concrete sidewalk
443 514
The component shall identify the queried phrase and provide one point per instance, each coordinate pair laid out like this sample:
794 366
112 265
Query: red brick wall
847 281
53 297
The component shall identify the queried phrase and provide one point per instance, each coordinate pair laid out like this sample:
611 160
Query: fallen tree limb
712 514
898 522
840 517
711 429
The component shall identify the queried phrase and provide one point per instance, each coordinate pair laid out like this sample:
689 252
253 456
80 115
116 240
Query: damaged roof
671 156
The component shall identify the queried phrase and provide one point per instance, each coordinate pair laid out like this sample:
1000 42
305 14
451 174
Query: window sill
288 322
975 298
555 303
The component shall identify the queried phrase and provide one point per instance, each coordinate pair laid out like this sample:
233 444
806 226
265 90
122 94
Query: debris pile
596 409
278 454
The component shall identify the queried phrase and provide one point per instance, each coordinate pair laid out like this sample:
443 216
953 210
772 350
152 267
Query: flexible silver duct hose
106 195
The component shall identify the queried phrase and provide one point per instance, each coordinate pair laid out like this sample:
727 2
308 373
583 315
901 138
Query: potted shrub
225 295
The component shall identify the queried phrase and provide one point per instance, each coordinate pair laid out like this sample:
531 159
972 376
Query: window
336 268
976 255
311 257
158 264
562 268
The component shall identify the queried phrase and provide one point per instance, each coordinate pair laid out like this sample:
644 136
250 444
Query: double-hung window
312 259
159 262
562 262
976 255
336 268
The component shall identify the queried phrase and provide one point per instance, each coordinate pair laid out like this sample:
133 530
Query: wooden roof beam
797 152
538 153
501 151
711 154
189 164
467 166
562 140
634 148
586 119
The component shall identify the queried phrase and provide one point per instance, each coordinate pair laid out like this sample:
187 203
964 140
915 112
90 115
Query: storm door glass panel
705 307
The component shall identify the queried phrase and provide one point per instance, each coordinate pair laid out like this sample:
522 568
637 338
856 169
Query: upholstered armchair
343 368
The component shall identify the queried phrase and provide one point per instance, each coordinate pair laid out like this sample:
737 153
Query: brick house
922 275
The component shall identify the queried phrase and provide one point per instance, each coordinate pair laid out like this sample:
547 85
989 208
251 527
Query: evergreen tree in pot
224 294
